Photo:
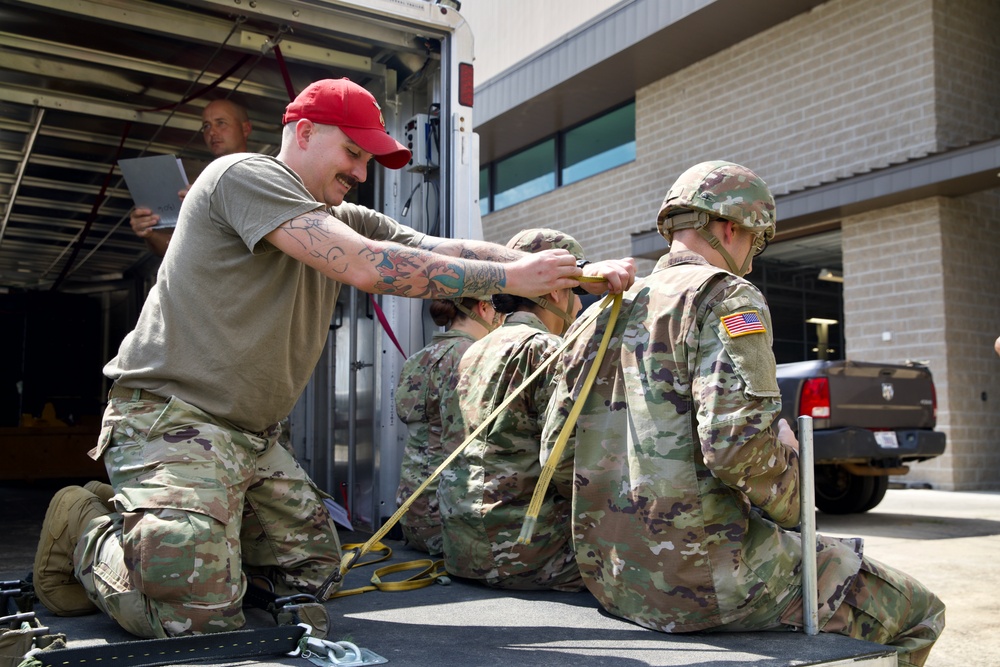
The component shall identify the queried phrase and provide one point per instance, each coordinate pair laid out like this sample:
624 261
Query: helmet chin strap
565 315
475 316
717 245
698 220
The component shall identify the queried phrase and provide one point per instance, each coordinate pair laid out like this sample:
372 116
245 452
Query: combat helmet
535 240
718 189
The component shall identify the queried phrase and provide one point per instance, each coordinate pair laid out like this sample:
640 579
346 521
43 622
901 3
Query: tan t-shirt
233 325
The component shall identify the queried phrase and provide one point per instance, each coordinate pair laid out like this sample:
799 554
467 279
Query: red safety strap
378 310
206 89
284 72
93 211
385 325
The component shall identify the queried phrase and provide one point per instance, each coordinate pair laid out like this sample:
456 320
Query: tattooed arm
471 249
618 274
383 267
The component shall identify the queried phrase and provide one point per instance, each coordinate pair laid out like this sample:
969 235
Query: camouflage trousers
882 605
199 505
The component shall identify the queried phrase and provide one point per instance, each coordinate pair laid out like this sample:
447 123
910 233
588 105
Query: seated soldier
677 444
484 495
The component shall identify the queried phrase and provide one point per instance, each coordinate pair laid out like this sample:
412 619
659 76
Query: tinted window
525 175
599 145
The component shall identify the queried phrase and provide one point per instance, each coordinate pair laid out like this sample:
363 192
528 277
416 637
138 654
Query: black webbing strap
290 609
150 652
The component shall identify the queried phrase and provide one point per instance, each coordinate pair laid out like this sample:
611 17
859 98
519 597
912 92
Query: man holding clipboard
225 129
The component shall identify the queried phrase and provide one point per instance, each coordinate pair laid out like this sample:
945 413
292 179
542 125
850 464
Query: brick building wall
923 272
846 88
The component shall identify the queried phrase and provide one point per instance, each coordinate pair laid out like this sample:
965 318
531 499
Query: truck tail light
934 401
815 401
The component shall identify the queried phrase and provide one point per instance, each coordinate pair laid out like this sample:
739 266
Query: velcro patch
741 324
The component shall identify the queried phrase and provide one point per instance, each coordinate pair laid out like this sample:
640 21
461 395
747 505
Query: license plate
886 439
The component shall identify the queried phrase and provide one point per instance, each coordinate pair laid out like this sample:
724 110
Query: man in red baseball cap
353 109
225 343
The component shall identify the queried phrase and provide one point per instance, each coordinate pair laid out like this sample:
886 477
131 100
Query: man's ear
728 231
304 129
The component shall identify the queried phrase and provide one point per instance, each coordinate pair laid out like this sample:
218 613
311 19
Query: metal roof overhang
952 173
602 64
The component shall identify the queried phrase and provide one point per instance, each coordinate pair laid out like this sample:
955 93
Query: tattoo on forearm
416 273
448 271
481 250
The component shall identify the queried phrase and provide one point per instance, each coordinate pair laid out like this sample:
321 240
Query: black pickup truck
869 420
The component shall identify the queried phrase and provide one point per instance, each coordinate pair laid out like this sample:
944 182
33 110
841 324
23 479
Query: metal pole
807 497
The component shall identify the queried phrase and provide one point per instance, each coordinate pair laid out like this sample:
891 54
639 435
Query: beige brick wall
965 46
848 87
924 272
843 89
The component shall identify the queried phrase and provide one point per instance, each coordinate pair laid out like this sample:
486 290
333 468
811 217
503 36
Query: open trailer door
86 83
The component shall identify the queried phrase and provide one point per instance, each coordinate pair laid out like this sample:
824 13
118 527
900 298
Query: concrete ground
949 541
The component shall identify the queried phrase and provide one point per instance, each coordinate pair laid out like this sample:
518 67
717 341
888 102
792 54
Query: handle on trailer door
807 502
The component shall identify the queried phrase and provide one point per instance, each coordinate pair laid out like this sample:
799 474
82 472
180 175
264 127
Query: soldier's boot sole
71 509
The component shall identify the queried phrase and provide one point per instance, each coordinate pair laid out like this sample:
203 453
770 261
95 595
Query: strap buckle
333 654
301 609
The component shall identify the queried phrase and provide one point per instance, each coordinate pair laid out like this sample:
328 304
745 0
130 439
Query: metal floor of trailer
463 623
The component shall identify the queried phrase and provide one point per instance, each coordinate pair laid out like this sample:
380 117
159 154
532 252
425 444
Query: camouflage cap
534 240
719 189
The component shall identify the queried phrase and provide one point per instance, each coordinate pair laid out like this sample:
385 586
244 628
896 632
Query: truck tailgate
881 397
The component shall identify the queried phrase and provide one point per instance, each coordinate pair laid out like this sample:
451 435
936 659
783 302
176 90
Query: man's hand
142 221
619 275
786 436
539 273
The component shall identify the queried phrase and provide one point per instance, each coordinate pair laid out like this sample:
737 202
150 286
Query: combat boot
102 491
71 509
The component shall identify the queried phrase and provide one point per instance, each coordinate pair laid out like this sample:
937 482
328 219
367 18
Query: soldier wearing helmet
684 483
483 496
720 192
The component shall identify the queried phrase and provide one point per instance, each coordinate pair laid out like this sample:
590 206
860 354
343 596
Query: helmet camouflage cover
534 240
719 189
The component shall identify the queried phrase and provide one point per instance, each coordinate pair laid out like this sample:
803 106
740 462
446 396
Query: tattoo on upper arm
313 234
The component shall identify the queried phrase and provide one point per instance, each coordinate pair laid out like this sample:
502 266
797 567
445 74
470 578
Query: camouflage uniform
426 384
206 500
203 489
484 496
674 451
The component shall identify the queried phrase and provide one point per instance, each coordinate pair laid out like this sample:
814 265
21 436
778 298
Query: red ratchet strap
206 89
378 310
284 72
93 211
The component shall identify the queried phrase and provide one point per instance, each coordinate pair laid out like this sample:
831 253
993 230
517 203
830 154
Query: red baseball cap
353 109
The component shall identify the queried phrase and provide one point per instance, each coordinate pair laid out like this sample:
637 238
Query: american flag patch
741 324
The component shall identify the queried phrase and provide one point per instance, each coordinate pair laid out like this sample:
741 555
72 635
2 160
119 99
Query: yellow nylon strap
348 561
430 571
535 506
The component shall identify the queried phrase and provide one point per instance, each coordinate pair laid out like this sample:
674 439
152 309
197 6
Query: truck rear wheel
841 492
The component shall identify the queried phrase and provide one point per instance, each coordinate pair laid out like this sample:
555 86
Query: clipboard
154 181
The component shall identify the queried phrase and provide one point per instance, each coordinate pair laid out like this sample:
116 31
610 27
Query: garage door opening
803 284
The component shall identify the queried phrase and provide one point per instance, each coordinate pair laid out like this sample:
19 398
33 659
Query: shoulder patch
741 324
